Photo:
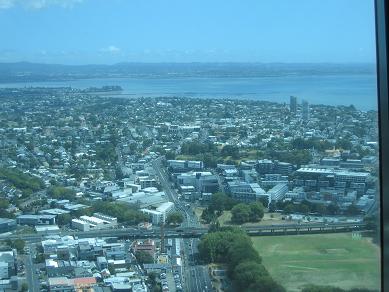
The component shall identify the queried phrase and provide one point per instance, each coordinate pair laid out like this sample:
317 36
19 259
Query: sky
112 31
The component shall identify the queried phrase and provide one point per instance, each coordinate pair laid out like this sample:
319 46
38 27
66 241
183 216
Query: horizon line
191 62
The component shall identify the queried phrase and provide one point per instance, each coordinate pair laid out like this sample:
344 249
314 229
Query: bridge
196 232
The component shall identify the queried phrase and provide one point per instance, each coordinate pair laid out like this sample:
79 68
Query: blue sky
110 31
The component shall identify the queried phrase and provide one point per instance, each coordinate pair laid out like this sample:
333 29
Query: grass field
324 259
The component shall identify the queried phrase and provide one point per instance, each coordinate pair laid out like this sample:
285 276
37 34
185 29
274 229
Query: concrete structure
203 182
4 270
305 110
277 193
63 284
145 199
7 264
97 221
338 176
36 220
147 182
159 215
7 225
245 192
265 166
293 105
47 229
147 245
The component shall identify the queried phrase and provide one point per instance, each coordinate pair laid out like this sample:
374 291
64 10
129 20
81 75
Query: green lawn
324 259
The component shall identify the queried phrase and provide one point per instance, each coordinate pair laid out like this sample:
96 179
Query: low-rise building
158 215
7 225
245 192
36 219
97 221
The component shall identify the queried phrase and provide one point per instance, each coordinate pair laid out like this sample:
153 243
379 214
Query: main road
31 272
196 277
190 219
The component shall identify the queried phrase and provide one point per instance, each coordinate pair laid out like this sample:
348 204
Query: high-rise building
293 104
305 110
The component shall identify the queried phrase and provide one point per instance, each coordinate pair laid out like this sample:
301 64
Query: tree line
22 181
241 212
234 248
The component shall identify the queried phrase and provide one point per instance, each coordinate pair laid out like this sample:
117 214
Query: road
31 273
196 276
190 219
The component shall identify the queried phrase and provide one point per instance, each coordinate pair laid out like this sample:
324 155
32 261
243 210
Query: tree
289 209
64 219
24 287
352 210
256 211
242 251
144 257
208 215
230 150
304 209
174 218
266 283
40 258
18 244
333 209
220 202
214 247
247 273
4 204
57 192
125 213
152 278
240 213
320 208
314 288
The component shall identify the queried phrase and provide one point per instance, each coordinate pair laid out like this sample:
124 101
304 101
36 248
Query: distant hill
25 71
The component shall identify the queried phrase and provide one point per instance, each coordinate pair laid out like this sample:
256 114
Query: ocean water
341 89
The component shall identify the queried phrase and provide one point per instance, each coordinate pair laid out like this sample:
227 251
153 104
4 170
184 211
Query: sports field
324 259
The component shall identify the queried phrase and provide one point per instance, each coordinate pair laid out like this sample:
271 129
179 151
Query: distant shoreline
341 89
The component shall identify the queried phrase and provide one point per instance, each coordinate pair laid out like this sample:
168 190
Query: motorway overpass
196 232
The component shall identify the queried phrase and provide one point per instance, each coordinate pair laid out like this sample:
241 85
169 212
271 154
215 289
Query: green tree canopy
143 257
174 218
240 213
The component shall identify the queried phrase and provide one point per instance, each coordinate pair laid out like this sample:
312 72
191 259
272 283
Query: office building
293 104
305 110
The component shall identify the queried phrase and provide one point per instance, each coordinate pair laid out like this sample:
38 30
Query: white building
278 192
245 192
97 221
159 215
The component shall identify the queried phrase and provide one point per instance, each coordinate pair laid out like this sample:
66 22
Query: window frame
383 118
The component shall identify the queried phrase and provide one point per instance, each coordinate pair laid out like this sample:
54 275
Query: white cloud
37 4
111 49
5 4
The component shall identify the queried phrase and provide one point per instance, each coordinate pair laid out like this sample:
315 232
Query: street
31 272
196 277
